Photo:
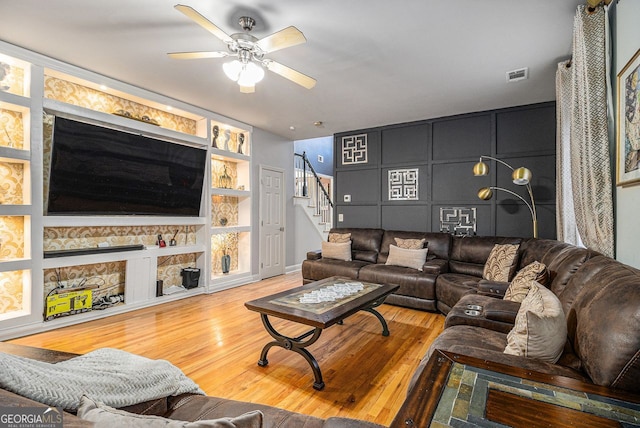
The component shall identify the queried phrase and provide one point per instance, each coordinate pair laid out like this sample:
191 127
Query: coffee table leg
295 344
385 328
370 309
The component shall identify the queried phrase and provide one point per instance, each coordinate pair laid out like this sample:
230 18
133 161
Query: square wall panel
462 138
357 150
543 183
526 130
405 217
515 220
455 182
360 186
405 144
408 183
483 217
357 216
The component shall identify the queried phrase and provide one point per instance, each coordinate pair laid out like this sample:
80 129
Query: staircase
315 192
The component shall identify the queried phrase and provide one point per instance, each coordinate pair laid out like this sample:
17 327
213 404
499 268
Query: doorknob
282 229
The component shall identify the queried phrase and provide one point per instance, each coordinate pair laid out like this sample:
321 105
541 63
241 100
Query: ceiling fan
247 68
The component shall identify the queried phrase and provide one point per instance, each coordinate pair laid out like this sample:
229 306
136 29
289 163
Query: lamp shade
250 74
521 176
480 169
485 193
232 69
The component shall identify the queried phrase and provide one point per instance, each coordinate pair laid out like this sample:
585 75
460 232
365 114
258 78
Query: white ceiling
377 62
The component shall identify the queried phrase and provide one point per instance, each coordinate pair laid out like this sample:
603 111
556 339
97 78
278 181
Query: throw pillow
340 237
407 258
521 283
336 250
411 244
540 330
501 262
107 417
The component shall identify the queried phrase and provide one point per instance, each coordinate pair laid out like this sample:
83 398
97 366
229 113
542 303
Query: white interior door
272 220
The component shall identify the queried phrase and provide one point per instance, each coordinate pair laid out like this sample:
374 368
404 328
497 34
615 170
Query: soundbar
91 250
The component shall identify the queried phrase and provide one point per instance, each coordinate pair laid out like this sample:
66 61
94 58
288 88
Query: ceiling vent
519 74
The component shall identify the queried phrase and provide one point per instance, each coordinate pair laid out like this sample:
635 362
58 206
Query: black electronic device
190 277
97 170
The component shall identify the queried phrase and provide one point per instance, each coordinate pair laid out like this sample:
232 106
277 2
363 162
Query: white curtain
567 229
583 137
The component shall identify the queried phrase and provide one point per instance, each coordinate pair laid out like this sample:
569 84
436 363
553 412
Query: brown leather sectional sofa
600 299
184 407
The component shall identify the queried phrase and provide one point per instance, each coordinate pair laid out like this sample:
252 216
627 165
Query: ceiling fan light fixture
232 69
250 74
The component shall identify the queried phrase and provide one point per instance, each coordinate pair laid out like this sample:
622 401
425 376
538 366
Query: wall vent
519 74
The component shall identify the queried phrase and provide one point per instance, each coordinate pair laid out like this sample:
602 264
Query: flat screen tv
101 171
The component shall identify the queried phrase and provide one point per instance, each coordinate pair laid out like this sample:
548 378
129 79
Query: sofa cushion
495 314
338 251
197 407
562 260
107 417
407 257
365 243
470 253
439 243
411 244
314 270
340 237
540 330
521 283
412 282
450 287
604 321
501 263
488 345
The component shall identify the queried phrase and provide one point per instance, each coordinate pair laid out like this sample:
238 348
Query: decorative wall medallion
354 149
403 184
458 220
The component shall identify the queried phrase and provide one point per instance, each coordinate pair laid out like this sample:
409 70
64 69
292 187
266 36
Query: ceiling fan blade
203 22
248 89
288 37
290 73
197 55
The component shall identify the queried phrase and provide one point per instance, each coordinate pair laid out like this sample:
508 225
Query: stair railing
308 184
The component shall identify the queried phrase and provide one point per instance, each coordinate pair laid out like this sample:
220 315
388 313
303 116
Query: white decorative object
354 149
403 184
331 293
458 220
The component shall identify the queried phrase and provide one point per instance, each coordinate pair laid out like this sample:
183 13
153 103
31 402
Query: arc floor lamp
521 176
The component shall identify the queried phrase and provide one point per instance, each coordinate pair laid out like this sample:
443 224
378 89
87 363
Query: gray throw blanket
114 377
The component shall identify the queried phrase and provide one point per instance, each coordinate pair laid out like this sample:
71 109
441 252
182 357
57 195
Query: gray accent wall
444 151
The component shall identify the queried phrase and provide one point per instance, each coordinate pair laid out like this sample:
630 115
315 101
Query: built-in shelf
121 123
230 192
9 154
41 87
230 229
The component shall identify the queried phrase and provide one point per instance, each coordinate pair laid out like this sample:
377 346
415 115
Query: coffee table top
287 304
459 390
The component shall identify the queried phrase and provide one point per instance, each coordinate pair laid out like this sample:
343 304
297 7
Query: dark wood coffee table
287 305
458 390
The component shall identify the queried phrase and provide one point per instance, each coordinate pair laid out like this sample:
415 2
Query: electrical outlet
347 198
340 218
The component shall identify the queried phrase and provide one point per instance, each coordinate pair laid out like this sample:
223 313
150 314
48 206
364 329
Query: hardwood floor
216 341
